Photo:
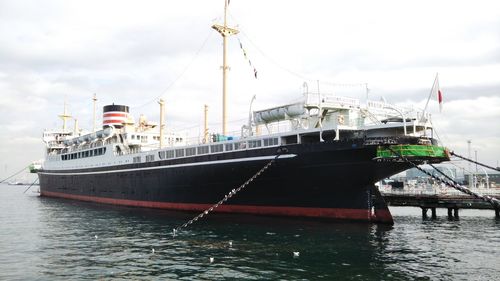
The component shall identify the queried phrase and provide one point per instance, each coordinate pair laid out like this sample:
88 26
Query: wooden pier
431 200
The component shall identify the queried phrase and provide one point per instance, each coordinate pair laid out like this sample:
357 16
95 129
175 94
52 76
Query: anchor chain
475 162
231 193
493 201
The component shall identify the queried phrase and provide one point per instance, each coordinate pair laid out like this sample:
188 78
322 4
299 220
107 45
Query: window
190 151
254 143
203 149
150 158
229 146
216 148
179 153
136 159
270 141
161 154
240 145
169 154
133 137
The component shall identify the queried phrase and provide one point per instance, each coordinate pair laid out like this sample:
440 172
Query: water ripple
49 239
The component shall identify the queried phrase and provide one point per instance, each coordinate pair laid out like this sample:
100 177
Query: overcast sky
132 52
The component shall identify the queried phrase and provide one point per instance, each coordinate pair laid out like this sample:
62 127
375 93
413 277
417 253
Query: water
53 239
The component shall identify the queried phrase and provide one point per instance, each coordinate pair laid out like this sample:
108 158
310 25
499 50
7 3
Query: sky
134 52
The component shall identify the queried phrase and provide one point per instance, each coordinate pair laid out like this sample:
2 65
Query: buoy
95 236
296 254
211 260
230 243
153 250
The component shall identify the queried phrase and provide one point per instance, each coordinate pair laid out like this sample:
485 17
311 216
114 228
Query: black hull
328 180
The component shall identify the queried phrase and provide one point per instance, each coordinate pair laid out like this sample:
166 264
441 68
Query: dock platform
433 199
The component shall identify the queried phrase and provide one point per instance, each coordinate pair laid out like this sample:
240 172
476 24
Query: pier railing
494 192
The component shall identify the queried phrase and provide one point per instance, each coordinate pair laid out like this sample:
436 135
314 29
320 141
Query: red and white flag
436 90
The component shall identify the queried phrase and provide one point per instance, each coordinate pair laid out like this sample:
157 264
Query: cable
17 173
181 74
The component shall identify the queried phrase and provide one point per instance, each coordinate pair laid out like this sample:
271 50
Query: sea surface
55 239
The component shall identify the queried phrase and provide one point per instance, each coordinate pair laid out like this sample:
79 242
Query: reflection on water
47 239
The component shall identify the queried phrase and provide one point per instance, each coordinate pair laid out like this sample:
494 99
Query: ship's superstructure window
84 154
136 159
203 149
179 153
229 146
270 141
216 148
150 158
240 145
169 154
190 151
254 143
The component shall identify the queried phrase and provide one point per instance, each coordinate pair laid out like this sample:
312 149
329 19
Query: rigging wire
293 73
181 74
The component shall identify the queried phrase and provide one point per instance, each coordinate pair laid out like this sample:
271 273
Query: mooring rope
17 173
493 201
470 160
229 195
31 185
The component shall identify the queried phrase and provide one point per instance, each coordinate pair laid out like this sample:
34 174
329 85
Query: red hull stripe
114 115
333 213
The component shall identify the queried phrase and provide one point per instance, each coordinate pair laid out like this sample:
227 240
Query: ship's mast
64 116
94 99
162 121
205 129
225 31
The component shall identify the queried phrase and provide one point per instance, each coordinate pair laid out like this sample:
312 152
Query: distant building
413 174
493 179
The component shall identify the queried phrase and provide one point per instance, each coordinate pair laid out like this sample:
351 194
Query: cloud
132 53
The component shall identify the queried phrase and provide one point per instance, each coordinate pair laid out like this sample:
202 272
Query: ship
327 152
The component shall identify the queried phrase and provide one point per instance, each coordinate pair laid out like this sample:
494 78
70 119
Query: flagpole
430 95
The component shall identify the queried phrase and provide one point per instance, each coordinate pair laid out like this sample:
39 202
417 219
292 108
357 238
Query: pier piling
434 216
497 213
455 213
424 212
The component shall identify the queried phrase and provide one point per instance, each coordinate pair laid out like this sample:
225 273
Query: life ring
340 119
